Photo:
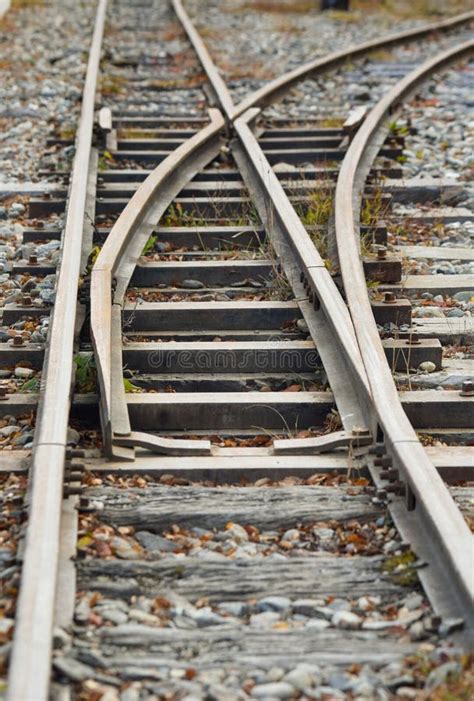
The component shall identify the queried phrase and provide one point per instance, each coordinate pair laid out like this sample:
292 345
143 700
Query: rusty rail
275 88
219 88
444 529
445 535
111 275
32 644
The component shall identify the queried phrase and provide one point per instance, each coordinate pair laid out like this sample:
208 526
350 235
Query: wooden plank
436 252
231 465
436 284
211 208
224 382
426 409
11 355
251 648
438 408
421 190
397 313
448 331
256 356
435 215
402 355
209 315
453 462
213 272
15 460
276 335
223 468
154 508
233 356
233 580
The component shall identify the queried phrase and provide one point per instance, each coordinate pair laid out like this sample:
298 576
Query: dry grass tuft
280 6
408 9
27 3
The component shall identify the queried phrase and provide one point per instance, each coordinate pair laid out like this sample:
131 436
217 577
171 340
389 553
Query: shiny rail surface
32 645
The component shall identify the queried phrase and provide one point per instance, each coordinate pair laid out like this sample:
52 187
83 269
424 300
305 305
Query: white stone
278 690
346 619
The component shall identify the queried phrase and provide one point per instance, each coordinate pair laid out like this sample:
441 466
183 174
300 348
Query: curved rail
31 654
274 89
318 297
437 513
111 275
448 538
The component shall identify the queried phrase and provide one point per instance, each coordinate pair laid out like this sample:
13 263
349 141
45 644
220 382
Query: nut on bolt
33 259
467 389
18 340
389 298
381 253
383 461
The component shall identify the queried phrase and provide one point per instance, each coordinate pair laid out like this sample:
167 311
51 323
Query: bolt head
467 388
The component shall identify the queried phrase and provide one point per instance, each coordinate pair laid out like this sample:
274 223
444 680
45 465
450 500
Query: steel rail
219 88
30 664
318 297
450 531
275 88
443 526
111 275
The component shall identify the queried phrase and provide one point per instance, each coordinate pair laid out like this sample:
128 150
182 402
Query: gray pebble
192 284
234 608
277 690
155 543
455 312
280 604
346 619
24 373
73 436
114 616
7 431
124 550
73 669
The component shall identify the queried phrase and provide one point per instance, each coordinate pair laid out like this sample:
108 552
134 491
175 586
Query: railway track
255 437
